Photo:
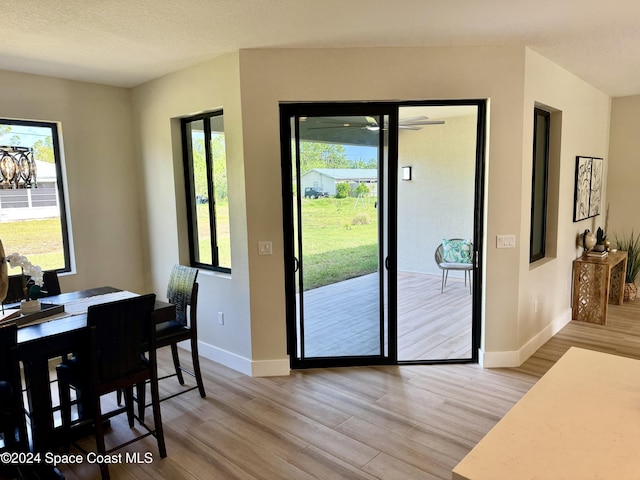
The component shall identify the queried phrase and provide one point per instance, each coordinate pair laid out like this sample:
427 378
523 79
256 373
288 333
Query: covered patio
431 325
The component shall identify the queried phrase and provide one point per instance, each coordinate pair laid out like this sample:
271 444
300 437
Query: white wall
116 245
438 202
624 168
101 173
544 287
158 106
271 76
255 331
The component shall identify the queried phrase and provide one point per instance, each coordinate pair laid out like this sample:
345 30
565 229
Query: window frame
55 142
187 157
538 233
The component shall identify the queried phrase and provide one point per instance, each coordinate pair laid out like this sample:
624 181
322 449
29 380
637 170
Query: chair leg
65 411
141 397
99 428
157 417
119 397
128 401
196 366
445 276
176 363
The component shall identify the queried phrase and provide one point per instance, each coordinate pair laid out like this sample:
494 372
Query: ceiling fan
367 123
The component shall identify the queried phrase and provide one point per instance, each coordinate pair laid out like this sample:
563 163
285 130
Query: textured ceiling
128 42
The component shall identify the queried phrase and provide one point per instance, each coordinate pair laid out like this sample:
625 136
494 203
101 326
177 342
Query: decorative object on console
588 193
630 244
588 240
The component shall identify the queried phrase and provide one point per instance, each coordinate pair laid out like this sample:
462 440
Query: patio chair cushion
456 251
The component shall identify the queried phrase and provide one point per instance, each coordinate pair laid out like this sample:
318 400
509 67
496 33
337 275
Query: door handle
386 263
296 264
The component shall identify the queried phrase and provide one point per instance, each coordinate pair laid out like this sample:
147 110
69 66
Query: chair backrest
9 369
51 284
11 406
15 292
438 255
182 290
122 335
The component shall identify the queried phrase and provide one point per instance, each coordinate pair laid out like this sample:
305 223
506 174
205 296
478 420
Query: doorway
370 191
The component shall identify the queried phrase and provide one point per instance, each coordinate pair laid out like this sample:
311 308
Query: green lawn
335 248
38 240
336 245
222 230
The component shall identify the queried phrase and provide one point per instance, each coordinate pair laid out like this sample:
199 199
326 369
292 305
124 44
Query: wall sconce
406 173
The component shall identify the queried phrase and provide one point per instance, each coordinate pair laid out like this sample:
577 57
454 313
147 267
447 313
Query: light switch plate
506 241
265 248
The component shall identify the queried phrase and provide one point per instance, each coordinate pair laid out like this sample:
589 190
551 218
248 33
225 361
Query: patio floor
342 319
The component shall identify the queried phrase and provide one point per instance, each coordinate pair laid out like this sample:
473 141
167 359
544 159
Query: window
33 220
539 185
205 165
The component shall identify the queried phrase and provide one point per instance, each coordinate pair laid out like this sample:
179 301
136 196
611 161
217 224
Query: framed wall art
588 195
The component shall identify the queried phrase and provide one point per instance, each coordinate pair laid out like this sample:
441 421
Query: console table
597 282
579 421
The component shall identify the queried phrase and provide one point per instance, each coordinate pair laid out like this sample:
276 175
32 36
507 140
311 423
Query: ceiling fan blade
419 118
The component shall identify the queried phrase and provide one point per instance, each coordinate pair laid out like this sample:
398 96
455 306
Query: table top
59 326
611 258
580 420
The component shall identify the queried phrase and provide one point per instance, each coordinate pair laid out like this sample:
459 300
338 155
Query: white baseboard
252 368
270 368
515 358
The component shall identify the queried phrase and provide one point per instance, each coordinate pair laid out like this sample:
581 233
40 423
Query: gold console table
596 283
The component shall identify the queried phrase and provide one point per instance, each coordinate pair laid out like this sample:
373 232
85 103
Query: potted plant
631 245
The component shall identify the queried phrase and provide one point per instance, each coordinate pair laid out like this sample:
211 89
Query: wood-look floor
399 423
342 319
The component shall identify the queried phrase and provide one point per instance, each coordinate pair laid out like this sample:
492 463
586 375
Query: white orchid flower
28 269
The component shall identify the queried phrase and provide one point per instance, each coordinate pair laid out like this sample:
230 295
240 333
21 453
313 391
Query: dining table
55 336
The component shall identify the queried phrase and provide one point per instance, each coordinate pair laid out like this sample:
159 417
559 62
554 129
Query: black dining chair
182 291
51 283
12 425
12 420
119 333
15 290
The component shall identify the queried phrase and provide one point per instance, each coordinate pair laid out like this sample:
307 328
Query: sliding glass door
370 191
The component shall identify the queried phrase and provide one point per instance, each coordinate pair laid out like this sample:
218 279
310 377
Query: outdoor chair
455 254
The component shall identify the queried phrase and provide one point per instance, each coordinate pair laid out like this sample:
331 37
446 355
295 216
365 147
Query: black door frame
297 110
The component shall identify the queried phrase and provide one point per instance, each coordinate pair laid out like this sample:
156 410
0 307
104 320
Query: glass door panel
336 167
437 148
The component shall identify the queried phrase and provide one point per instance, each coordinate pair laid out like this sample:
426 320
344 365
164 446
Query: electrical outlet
220 318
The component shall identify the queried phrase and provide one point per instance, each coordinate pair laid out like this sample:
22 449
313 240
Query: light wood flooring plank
365 423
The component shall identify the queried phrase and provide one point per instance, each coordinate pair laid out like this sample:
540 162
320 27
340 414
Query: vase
630 292
29 306
588 240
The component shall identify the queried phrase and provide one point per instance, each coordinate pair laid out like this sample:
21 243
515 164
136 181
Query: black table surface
164 311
